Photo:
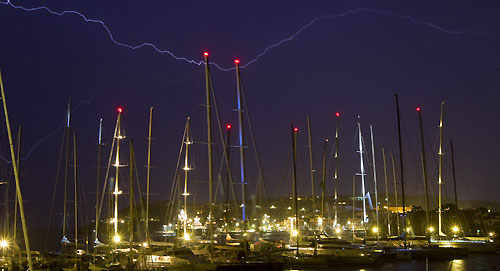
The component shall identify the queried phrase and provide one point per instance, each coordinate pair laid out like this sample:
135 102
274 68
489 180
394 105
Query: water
475 262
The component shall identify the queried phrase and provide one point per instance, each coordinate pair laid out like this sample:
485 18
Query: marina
198 237
242 167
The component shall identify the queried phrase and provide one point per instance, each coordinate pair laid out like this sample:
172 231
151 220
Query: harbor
384 160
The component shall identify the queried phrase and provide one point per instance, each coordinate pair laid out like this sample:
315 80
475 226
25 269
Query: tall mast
401 170
386 195
117 165
311 170
148 173
294 185
16 175
186 170
323 185
424 168
76 192
375 181
210 167
395 184
362 173
440 179
131 202
336 174
99 145
227 219
68 118
454 181
241 147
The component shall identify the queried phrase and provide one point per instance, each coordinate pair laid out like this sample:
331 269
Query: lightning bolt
190 61
277 44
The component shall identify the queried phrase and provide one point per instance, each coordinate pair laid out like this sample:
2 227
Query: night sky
352 64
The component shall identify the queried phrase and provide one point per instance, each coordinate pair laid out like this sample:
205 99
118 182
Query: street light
4 244
375 229
117 239
431 229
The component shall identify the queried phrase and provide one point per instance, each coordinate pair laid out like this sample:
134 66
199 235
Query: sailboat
441 239
16 176
338 251
423 251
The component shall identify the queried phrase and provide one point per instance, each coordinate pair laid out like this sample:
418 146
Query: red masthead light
205 53
295 129
236 61
228 126
120 109
337 114
418 109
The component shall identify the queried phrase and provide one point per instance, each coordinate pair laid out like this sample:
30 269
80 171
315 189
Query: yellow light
186 236
455 229
116 239
431 229
295 233
491 234
4 243
375 229
408 229
145 244
337 230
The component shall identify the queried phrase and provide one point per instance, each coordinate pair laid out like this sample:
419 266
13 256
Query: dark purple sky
352 64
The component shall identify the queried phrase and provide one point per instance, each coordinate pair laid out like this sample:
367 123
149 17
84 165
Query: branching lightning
279 43
190 61
61 125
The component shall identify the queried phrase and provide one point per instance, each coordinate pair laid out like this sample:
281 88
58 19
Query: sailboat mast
68 118
117 165
311 170
362 173
424 168
16 175
401 170
76 193
227 219
323 185
440 179
241 146
148 173
186 170
99 146
395 184
336 174
294 185
210 166
386 195
375 181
